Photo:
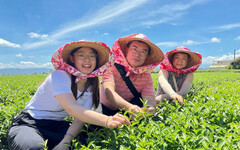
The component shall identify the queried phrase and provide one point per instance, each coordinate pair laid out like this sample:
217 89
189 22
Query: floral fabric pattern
121 59
58 63
166 64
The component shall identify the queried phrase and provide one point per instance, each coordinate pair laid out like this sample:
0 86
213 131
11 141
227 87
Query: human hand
158 99
178 97
148 109
116 120
134 109
61 146
65 142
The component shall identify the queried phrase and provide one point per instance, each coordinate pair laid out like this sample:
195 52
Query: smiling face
84 60
180 60
137 53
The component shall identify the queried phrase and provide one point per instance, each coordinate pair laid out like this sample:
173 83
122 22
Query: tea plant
15 92
209 118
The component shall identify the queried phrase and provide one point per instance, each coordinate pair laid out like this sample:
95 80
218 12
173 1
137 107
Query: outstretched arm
71 133
79 112
116 100
170 93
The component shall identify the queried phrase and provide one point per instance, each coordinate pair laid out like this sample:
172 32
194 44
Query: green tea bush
15 92
209 119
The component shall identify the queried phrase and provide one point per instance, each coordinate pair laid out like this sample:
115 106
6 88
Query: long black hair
93 83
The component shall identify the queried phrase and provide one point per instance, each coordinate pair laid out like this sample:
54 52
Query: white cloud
47 65
104 15
209 60
28 63
161 20
169 12
38 36
106 33
37 44
190 42
215 40
19 56
186 43
8 44
225 27
24 65
229 26
168 44
237 38
163 14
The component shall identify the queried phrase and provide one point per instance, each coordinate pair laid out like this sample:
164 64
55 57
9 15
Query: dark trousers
27 133
110 112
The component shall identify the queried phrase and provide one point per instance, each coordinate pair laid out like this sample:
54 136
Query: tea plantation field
209 119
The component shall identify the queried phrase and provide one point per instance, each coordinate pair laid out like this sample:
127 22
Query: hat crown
140 36
183 48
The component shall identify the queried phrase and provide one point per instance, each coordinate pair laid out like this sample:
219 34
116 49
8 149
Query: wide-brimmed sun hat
61 56
194 58
101 48
155 56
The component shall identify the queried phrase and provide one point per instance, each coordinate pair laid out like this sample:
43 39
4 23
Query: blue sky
31 30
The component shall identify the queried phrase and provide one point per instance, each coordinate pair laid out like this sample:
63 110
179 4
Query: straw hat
156 55
194 58
105 58
101 48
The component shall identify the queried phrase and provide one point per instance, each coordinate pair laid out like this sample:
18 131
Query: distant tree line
235 64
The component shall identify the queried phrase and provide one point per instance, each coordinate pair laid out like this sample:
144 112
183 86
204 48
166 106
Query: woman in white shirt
71 90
